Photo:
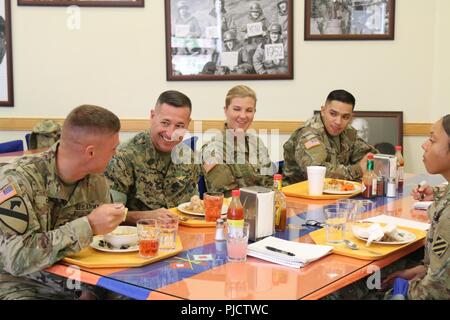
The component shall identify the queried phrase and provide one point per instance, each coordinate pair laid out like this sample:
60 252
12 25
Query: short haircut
239 91
175 99
446 125
342 96
92 120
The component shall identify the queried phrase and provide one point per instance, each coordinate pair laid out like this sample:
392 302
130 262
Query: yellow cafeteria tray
319 237
91 258
300 190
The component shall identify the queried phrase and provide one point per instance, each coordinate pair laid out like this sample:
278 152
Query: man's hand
363 164
106 217
134 216
423 193
408 274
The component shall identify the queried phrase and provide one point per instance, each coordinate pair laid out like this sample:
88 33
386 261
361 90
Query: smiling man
327 139
142 172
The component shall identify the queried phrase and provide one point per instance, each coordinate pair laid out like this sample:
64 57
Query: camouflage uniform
146 179
311 145
45 133
436 283
228 176
41 222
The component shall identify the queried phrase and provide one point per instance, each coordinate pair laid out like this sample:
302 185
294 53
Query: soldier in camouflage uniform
45 133
236 158
146 172
51 205
431 280
328 140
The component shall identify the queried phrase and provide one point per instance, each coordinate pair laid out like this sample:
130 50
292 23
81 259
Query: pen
280 251
420 185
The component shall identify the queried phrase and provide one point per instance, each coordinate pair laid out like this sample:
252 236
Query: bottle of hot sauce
400 168
280 203
235 213
369 179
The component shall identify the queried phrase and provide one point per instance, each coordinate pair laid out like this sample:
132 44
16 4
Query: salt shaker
391 188
220 230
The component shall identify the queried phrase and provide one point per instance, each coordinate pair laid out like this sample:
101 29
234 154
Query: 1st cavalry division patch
13 211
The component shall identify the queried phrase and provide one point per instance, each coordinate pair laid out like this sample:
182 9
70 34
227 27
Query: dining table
200 270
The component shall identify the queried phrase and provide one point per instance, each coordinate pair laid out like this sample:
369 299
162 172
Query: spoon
354 246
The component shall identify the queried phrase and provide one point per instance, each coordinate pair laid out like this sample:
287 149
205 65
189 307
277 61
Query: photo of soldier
242 57
2 39
271 65
186 29
282 18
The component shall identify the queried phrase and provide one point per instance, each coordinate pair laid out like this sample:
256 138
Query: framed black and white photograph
349 19
6 73
229 39
83 3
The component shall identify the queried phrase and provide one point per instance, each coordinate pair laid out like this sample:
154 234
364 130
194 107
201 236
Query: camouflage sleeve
266 167
438 191
435 285
360 149
220 179
311 151
120 173
26 248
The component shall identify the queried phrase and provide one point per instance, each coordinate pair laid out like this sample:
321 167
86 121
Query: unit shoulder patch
440 246
14 214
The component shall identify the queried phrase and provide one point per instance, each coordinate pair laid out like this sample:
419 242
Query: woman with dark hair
431 280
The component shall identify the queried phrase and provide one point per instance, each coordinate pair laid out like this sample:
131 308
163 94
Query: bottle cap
398 148
277 176
370 156
235 193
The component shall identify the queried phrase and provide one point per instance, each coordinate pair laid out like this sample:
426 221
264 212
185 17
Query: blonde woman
236 157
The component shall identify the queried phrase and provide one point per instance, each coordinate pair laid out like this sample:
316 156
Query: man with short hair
328 140
53 203
142 172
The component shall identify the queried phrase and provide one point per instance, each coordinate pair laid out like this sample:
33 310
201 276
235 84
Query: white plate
409 237
182 207
95 244
357 189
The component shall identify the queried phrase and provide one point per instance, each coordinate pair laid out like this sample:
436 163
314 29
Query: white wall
117 59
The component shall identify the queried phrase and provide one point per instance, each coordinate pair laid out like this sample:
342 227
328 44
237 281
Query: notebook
302 253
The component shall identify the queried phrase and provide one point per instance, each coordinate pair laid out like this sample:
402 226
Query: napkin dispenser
386 164
258 203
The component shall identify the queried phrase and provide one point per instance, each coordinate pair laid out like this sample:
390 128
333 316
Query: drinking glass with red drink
148 233
213 202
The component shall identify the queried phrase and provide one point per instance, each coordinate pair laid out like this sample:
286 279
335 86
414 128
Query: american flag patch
7 192
312 143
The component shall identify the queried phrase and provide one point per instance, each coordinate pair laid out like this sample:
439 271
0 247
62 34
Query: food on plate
375 232
339 185
196 205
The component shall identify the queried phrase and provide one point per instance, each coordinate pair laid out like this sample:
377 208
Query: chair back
191 142
11 146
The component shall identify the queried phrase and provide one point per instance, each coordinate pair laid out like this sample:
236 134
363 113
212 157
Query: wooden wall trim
134 125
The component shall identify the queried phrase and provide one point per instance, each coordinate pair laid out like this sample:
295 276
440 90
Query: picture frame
349 19
229 40
6 64
382 129
83 3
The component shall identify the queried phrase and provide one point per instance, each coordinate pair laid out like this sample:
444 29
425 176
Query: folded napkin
399 222
301 253
422 205
376 232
